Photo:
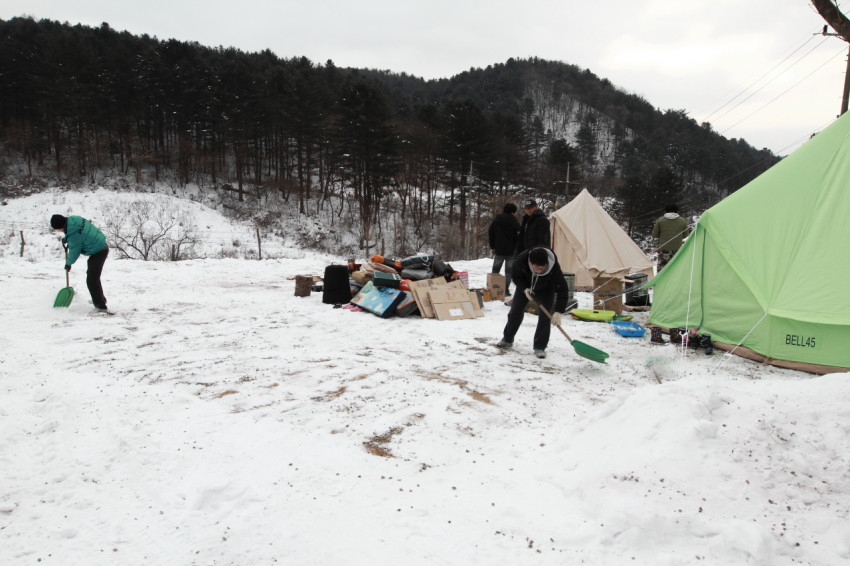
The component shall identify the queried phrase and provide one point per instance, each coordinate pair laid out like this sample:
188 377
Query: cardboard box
451 304
421 289
420 294
454 311
477 302
496 286
608 294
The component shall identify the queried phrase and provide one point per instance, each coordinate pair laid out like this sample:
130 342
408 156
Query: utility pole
567 183
829 11
845 97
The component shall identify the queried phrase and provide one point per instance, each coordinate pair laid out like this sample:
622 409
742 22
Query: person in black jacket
534 232
538 270
504 236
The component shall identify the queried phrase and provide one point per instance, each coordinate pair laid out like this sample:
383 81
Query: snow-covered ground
217 419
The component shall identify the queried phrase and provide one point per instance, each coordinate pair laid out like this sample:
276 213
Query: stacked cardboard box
496 286
445 301
608 294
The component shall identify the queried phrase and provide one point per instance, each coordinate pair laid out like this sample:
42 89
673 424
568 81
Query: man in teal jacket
82 237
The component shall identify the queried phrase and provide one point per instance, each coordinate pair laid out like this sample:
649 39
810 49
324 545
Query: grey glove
556 319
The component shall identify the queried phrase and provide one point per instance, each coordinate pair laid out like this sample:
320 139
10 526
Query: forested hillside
398 163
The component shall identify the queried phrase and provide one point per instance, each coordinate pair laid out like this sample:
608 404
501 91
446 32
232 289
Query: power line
806 137
771 80
783 93
810 38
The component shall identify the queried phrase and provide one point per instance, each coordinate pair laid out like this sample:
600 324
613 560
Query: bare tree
182 243
149 231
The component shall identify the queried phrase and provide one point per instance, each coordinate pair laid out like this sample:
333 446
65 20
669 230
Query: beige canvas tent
589 243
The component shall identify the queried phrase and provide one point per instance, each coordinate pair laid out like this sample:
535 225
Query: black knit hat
58 221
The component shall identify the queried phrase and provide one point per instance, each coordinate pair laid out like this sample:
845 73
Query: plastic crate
628 328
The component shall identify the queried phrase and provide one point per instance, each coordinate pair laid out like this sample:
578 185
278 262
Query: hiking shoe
100 312
540 353
505 345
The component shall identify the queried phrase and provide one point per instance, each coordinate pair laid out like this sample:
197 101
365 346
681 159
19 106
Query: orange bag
388 262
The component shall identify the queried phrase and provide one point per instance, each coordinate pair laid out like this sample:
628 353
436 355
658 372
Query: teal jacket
82 237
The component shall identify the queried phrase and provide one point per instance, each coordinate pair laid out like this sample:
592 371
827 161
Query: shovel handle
546 312
67 275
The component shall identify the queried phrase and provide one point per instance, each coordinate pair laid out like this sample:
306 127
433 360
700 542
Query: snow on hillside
217 236
217 419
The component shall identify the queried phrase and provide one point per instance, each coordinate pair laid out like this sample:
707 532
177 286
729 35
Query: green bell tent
766 270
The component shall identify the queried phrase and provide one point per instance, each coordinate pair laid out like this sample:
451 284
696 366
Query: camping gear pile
422 284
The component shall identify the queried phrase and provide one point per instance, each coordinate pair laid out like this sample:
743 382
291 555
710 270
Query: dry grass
377 444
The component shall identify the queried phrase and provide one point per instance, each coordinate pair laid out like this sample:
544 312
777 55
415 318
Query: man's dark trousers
515 317
95 268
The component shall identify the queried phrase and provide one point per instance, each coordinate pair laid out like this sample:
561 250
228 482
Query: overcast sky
754 69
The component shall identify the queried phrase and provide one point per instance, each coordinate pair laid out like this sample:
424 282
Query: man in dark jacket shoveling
537 270
82 237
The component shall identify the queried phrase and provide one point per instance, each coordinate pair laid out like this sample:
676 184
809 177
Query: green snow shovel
66 295
582 349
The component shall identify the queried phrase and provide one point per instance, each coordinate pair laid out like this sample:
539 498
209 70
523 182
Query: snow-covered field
217 419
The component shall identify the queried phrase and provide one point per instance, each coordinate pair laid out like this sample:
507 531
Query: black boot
656 337
693 340
705 342
676 335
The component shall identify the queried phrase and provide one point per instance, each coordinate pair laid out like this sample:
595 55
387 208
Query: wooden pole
260 246
23 243
846 96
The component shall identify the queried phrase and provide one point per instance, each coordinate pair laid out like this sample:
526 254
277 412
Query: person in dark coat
82 237
538 270
534 231
504 237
